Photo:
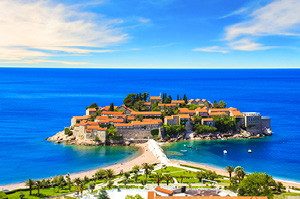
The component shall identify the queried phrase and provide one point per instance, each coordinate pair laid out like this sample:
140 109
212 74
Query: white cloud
37 28
211 49
247 45
237 12
280 17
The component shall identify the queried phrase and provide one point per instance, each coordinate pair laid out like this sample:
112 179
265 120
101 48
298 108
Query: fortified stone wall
134 133
266 122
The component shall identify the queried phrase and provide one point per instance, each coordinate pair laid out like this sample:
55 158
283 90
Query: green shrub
3 195
154 132
68 132
97 138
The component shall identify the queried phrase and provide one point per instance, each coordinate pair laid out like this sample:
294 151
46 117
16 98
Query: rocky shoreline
242 134
60 137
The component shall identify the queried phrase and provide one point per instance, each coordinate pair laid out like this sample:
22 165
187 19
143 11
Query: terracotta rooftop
130 118
150 120
163 190
92 123
151 195
166 104
236 113
219 109
154 98
122 124
147 103
184 116
178 101
111 113
217 113
102 117
186 110
136 123
92 109
201 110
169 117
85 117
207 119
146 113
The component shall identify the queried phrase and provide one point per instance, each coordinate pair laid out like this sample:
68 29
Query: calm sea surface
37 103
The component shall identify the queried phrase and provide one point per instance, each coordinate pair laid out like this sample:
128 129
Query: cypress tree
111 107
177 97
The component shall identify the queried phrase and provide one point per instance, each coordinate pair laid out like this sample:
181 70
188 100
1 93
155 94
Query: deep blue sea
37 103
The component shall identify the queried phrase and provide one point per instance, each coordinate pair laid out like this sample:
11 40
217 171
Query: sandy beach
146 156
223 172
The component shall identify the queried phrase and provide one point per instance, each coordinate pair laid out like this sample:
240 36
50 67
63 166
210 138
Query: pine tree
177 97
111 107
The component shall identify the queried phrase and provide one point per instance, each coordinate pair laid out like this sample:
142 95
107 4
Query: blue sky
150 33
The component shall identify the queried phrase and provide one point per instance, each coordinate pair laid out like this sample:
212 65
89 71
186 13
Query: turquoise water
37 103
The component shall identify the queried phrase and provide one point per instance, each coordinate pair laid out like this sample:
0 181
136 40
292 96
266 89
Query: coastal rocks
267 132
246 134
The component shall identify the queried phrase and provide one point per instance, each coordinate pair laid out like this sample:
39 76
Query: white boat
225 152
183 150
249 151
184 145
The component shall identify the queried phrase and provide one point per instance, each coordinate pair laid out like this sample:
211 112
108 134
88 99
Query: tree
151 168
77 181
81 187
125 183
143 182
146 167
38 185
158 178
168 178
109 173
139 106
239 172
86 180
127 174
43 185
224 123
92 186
279 186
69 181
135 176
130 100
3 195
21 195
216 105
109 184
111 107
199 175
30 184
185 98
68 132
100 174
93 105
111 131
136 169
203 129
229 169
222 104
181 177
103 194
256 184
61 181
163 167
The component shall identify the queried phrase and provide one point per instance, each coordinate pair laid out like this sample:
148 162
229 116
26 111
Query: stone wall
266 123
134 133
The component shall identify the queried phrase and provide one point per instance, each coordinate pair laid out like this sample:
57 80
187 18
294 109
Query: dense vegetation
173 130
68 132
224 123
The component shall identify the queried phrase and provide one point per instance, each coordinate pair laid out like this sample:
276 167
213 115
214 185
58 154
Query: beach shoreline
221 171
145 156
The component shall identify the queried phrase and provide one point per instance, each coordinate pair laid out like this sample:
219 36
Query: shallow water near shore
37 103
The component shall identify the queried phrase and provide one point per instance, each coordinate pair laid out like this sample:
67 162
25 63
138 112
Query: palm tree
43 183
127 174
81 187
38 184
109 173
146 167
77 181
29 183
151 168
69 181
136 168
86 179
109 184
181 178
125 183
158 177
143 182
238 172
92 186
229 169
168 178
21 195
163 167
135 177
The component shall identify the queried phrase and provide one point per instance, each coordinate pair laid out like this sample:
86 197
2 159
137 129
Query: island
161 118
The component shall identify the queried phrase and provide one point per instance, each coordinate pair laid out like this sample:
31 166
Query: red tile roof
92 123
184 116
219 110
217 113
102 117
146 113
147 103
178 102
151 195
150 120
92 109
122 124
136 123
236 113
201 110
111 113
130 117
207 119
155 98
186 110
166 104
163 190
85 117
